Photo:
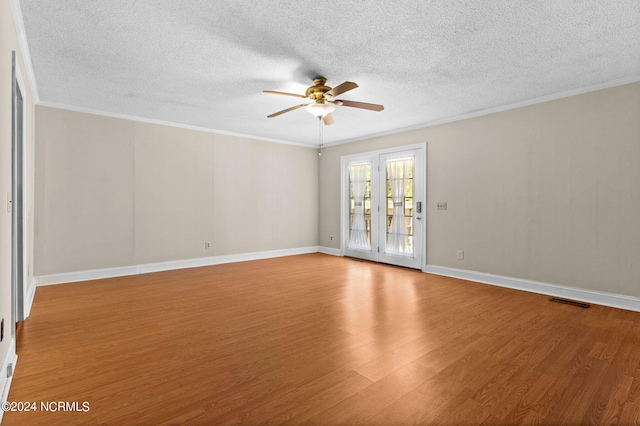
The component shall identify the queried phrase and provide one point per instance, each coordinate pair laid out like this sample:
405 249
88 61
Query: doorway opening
16 198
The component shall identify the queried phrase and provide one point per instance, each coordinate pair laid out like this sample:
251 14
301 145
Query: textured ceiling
205 63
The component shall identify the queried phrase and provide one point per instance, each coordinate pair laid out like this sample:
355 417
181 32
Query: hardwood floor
317 339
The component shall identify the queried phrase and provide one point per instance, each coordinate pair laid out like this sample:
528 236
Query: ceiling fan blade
275 114
273 92
363 105
328 119
340 89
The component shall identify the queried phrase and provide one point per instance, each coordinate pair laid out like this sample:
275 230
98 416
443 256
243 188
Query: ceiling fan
323 98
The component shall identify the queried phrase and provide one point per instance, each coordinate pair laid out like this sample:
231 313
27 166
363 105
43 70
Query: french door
383 205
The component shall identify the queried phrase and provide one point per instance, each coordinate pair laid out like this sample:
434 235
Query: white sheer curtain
398 174
358 175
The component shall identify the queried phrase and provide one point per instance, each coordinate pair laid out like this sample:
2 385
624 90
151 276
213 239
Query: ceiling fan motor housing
317 91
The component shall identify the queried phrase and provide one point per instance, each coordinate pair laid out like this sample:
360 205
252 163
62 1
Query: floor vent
570 302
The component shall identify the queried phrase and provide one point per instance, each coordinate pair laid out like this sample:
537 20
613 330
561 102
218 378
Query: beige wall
114 193
9 43
547 192
84 192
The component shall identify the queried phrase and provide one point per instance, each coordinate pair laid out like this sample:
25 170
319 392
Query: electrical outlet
460 254
331 238
442 205
207 245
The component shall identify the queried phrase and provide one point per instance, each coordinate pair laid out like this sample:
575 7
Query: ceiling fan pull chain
320 136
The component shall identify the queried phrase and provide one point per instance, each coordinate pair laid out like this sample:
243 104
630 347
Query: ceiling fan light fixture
320 110
323 100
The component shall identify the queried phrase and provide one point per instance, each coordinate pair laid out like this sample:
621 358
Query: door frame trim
18 204
344 219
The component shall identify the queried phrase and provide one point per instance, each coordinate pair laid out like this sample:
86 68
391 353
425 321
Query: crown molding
16 12
167 123
515 105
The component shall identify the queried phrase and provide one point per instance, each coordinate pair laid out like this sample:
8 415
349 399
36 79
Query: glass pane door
383 194
360 206
401 226
399 209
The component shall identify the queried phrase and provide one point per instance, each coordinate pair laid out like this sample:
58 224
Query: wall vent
570 302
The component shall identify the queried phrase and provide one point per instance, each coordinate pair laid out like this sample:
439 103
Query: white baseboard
93 274
590 296
30 296
5 382
329 250
218 260
96 274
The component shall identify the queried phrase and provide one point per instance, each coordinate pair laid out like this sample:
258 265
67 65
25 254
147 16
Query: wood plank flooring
318 339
